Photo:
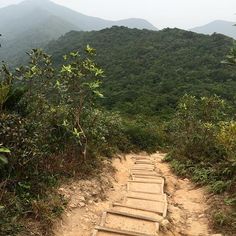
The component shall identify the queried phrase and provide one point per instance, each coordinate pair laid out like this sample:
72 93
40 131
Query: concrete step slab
129 223
155 188
140 178
147 196
146 176
149 205
143 180
141 168
140 212
105 231
143 173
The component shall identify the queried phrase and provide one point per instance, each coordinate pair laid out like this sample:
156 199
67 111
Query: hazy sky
183 14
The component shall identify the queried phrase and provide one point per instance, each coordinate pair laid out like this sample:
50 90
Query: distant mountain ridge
81 21
33 23
219 26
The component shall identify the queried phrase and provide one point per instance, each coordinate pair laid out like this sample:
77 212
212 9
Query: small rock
82 204
94 193
82 199
201 216
165 224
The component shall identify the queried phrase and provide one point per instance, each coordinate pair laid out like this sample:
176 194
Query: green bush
50 129
145 134
203 135
107 133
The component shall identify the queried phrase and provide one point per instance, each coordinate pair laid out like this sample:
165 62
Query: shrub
145 134
203 139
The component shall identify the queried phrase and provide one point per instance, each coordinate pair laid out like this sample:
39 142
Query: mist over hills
33 23
218 26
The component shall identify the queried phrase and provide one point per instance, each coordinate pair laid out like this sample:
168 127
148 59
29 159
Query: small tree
231 57
6 79
57 95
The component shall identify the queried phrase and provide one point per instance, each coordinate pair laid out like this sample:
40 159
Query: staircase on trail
143 207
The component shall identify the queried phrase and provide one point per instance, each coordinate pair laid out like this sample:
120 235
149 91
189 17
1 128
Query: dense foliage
147 72
203 135
50 128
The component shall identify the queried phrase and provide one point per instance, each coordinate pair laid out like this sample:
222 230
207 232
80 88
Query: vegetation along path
146 199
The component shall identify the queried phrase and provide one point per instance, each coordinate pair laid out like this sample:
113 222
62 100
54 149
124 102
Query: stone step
139 207
130 223
105 231
139 212
135 177
144 164
149 205
141 168
144 172
154 188
146 176
147 196
149 166
143 180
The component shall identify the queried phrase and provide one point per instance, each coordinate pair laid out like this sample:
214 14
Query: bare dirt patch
88 199
187 204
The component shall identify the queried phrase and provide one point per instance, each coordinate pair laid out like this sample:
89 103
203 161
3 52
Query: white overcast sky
183 14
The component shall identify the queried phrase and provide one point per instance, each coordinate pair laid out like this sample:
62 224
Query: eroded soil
82 216
186 203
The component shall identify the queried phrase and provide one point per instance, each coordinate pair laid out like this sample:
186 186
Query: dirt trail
80 221
186 203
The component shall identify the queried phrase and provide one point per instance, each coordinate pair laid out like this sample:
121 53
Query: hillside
218 26
21 30
57 128
147 72
14 50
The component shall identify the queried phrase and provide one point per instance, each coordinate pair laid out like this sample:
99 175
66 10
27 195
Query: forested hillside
148 72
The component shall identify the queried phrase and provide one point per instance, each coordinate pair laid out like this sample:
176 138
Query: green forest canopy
147 72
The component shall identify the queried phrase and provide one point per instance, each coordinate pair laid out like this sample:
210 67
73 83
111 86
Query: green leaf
98 94
25 186
99 72
67 69
90 50
74 54
4 150
3 159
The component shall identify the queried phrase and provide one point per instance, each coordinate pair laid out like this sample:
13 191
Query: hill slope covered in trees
147 72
